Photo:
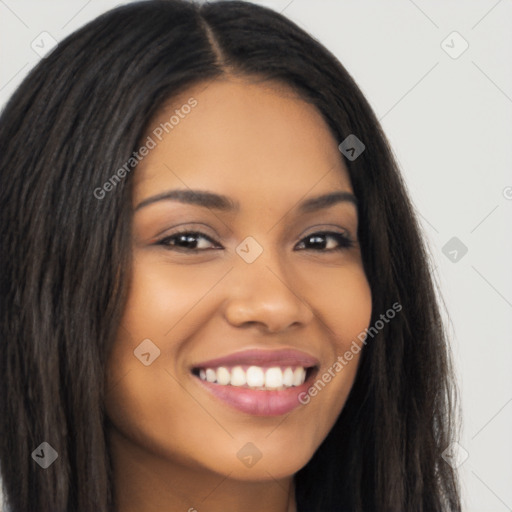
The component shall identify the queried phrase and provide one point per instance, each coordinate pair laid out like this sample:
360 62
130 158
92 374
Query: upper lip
258 357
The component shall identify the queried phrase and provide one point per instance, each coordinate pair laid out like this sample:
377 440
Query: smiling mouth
258 382
258 378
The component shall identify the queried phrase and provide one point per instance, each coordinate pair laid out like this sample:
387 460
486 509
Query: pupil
315 239
188 240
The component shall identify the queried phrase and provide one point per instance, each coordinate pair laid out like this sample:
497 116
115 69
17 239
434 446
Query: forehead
241 136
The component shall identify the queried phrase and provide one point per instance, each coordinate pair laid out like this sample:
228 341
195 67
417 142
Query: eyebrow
226 204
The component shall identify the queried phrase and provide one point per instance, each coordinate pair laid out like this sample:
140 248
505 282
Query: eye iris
316 239
187 240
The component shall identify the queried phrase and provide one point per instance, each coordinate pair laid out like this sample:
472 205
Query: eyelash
343 240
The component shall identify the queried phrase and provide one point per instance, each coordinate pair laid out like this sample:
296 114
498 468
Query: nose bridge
264 291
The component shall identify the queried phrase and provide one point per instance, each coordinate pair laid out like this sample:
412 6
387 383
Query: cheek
341 299
162 295
141 401
343 304
159 300
164 300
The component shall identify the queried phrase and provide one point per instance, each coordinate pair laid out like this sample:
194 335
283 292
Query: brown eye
326 241
188 241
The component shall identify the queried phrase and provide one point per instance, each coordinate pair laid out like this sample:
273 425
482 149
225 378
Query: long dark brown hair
65 260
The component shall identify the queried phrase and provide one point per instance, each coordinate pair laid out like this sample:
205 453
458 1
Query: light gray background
449 121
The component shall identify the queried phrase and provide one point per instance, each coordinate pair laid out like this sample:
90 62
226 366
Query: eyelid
197 233
347 240
327 228
186 227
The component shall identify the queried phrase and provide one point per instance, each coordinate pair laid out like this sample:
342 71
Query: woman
214 290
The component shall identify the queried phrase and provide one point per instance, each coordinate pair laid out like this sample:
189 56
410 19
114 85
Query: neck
145 482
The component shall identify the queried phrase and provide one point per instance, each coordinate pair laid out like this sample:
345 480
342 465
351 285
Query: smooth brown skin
174 446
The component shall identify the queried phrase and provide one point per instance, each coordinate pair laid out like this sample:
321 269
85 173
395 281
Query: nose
263 296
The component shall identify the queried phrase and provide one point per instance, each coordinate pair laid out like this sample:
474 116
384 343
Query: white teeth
273 378
255 376
299 376
288 377
223 376
211 375
238 376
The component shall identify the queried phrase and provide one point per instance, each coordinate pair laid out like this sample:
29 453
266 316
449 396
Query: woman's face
264 288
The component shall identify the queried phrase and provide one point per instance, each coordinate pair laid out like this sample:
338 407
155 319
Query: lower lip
258 402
